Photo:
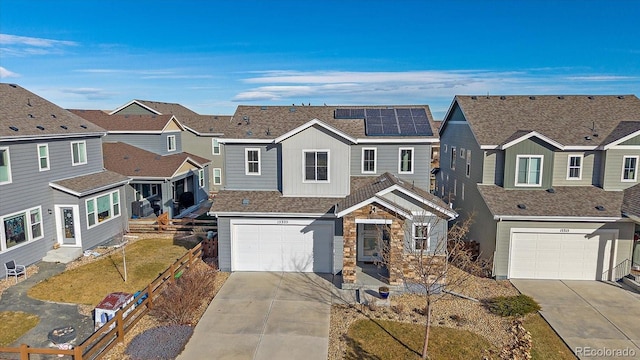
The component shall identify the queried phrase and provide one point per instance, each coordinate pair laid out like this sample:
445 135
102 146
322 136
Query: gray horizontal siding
531 146
155 143
224 243
236 179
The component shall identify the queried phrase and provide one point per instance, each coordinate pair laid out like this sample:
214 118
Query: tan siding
612 179
531 146
560 168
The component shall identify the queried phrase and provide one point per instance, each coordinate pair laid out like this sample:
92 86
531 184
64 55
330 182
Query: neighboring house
148 149
543 177
201 137
631 209
54 189
319 188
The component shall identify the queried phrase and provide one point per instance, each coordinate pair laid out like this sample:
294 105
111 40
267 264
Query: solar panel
403 112
371 112
349 114
390 122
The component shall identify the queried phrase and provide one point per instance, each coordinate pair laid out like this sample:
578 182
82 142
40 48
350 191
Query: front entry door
369 241
68 226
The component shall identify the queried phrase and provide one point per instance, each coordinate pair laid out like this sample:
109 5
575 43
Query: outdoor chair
11 269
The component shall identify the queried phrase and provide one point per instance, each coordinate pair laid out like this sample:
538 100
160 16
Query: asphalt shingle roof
202 124
124 122
87 184
566 201
132 161
30 115
270 202
576 120
631 201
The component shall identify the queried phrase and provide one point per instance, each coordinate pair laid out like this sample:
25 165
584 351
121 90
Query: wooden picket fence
110 334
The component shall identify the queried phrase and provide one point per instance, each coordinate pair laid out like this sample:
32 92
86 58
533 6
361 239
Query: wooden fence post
24 352
77 353
120 326
149 296
173 270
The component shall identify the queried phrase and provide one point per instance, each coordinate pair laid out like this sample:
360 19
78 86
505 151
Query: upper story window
529 170
102 208
201 177
252 161
468 168
316 165
630 168
574 167
368 160
43 157
421 236
217 176
215 146
78 152
5 166
462 153
171 143
405 162
22 227
453 158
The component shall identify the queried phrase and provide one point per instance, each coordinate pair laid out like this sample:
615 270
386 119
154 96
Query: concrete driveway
265 316
595 319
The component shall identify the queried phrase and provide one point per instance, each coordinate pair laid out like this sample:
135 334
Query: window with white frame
630 168
252 161
529 170
369 160
452 164
5 166
143 191
215 146
171 143
462 153
468 167
201 177
102 208
421 236
22 227
78 152
217 176
43 157
405 160
574 167
316 165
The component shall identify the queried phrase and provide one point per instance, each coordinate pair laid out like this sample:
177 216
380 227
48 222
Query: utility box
108 307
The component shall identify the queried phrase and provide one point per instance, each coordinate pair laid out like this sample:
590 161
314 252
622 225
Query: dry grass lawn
546 343
14 324
90 283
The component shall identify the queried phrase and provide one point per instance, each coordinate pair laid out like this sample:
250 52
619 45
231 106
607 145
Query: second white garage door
291 247
559 256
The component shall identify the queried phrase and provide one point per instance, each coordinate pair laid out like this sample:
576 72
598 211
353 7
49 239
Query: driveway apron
595 319
262 316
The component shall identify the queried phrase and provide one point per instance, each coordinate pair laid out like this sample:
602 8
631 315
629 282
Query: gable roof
566 202
24 114
134 162
89 184
631 202
126 123
569 120
385 183
240 202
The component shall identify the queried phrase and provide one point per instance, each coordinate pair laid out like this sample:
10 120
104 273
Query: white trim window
630 168
574 167
217 176
102 208
43 157
215 146
144 191
369 159
405 160
171 143
5 166
468 167
420 236
78 152
315 165
21 227
452 163
462 153
252 161
528 170
201 178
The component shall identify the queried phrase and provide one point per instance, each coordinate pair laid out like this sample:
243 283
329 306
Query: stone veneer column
349 232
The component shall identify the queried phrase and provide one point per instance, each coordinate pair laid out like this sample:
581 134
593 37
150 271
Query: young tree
435 262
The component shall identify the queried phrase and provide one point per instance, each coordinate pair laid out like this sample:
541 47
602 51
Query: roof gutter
88 192
556 218
272 215
51 136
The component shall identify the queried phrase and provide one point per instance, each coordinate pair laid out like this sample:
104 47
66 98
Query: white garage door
565 256
291 247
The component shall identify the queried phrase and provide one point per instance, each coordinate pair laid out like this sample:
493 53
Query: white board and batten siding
564 254
287 245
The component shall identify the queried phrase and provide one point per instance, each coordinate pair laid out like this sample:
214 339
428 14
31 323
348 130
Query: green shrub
512 305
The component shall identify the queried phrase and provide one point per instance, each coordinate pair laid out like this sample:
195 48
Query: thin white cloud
14 45
602 78
88 93
4 73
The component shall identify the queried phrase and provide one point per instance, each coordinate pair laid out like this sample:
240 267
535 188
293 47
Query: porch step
63 255
631 282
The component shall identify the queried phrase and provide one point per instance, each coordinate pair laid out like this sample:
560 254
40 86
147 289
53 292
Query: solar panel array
390 121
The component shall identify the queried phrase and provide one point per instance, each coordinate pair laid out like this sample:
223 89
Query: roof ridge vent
590 97
63 126
532 97
522 206
13 128
600 208
40 127
561 97
503 97
621 97
551 190
474 98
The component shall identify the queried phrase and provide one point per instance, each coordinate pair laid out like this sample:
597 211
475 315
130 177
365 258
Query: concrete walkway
52 315
594 319
265 316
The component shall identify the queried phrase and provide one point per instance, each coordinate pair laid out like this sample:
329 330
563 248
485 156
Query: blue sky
214 55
